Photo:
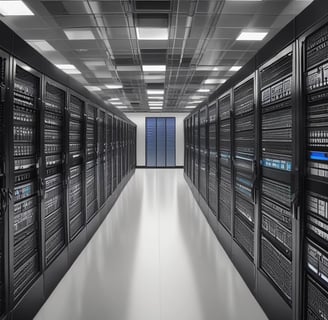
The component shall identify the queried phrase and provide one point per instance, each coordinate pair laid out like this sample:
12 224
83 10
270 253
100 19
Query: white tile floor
154 258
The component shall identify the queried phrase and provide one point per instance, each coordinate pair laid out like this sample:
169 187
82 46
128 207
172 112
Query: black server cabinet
225 172
91 203
244 161
315 68
53 169
126 149
25 221
213 158
114 153
101 156
203 153
196 149
5 136
109 136
76 190
120 150
191 149
188 147
277 229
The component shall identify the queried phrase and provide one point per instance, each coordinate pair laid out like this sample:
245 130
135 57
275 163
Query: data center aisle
154 257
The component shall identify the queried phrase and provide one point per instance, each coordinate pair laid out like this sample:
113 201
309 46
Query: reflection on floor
154 258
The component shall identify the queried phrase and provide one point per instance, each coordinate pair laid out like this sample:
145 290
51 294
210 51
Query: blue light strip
321 156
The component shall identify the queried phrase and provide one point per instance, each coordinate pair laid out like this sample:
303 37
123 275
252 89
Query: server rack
315 221
54 171
277 229
213 158
203 153
115 152
101 156
5 137
25 224
91 163
244 165
196 149
109 136
76 190
225 190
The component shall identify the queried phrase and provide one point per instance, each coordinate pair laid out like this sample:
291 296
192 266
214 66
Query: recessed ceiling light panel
152 33
113 86
252 36
235 68
156 108
154 68
79 34
93 88
154 91
156 98
14 8
214 81
41 45
203 90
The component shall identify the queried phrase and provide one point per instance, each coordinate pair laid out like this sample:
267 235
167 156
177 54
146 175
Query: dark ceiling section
100 38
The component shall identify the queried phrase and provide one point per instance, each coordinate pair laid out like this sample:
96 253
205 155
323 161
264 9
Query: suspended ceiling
100 39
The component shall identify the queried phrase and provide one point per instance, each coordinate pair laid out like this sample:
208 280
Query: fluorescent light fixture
214 81
203 90
154 91
156 108
252 36
72 71
68 68
154 68
114 99
152 33
113 86
197 97
246 0
190 107
235 68
15 8
79 34
93 88
121 107
156 98
117 103
196 101
40 45
155 103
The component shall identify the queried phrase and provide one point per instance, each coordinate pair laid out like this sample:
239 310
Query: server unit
244 160
277 162
109 150
315 68
26 238
101 156
203 153
91 163
224 150
4 191
76 192
54 150
213 158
